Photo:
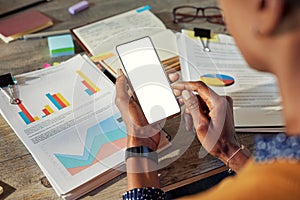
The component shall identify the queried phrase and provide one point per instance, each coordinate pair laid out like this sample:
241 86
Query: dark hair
291 9
291 6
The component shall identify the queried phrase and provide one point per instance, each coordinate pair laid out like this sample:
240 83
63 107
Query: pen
43 34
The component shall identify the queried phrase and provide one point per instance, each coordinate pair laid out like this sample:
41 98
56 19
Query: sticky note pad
61 45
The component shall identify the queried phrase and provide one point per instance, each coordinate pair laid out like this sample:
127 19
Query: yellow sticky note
190 34
103 56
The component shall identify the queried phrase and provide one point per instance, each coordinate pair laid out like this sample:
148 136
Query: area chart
101 141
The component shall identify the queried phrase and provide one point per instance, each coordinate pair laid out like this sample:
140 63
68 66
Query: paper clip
203 33
9 88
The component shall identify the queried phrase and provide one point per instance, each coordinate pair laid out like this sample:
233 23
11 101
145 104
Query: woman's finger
181 101
188 120
177 93
206 94
173 77
200 119
192 104
122 97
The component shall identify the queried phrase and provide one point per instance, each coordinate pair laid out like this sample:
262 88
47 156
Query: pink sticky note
46 65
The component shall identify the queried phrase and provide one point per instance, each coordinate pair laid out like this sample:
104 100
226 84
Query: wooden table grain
21 177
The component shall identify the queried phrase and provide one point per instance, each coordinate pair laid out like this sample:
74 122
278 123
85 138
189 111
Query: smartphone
147 79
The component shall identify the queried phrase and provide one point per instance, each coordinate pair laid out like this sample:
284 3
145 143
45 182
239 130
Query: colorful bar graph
62 98
25 115
36 118
58 100
89 92
47 110
91 87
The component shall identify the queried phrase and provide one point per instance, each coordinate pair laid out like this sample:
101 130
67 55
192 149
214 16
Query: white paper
255 94
76 143
103 35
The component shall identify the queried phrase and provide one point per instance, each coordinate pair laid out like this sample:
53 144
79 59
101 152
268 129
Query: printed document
255 95
68 121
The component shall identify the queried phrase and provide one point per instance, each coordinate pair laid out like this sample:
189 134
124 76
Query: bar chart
25 114
47 110
91 88
58 100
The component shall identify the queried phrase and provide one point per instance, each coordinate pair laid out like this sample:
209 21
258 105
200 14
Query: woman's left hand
140 133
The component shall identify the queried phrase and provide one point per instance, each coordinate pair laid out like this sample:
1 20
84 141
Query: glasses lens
212 11
185 14
213 15
216 20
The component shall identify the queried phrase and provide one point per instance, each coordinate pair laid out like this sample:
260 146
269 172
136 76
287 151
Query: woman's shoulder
279 179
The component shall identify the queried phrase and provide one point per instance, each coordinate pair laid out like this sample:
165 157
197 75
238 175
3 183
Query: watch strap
141 151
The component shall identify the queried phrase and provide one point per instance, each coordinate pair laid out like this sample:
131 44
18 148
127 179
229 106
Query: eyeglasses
190 13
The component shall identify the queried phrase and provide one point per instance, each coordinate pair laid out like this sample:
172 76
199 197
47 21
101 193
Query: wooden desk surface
20 175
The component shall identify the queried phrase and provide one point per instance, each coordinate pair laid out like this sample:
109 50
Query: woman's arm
141 171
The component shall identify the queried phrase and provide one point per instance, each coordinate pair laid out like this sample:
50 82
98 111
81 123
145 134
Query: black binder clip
8 86
203 33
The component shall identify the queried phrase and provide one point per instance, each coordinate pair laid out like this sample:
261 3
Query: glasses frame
215 19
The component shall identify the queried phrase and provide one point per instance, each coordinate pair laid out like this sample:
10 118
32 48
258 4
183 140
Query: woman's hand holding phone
140 133
148 80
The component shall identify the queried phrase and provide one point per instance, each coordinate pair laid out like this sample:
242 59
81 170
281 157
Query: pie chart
218 80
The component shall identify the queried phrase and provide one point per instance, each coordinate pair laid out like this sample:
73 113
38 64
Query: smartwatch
141 151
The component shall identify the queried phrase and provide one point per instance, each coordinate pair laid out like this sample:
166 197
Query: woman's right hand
213 121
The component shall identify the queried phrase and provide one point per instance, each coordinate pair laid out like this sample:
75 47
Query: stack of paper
101 37
256 99
68 122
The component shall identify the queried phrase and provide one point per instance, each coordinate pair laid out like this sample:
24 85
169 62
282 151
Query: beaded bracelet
227 161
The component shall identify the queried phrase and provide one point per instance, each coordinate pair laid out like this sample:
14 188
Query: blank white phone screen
148 79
